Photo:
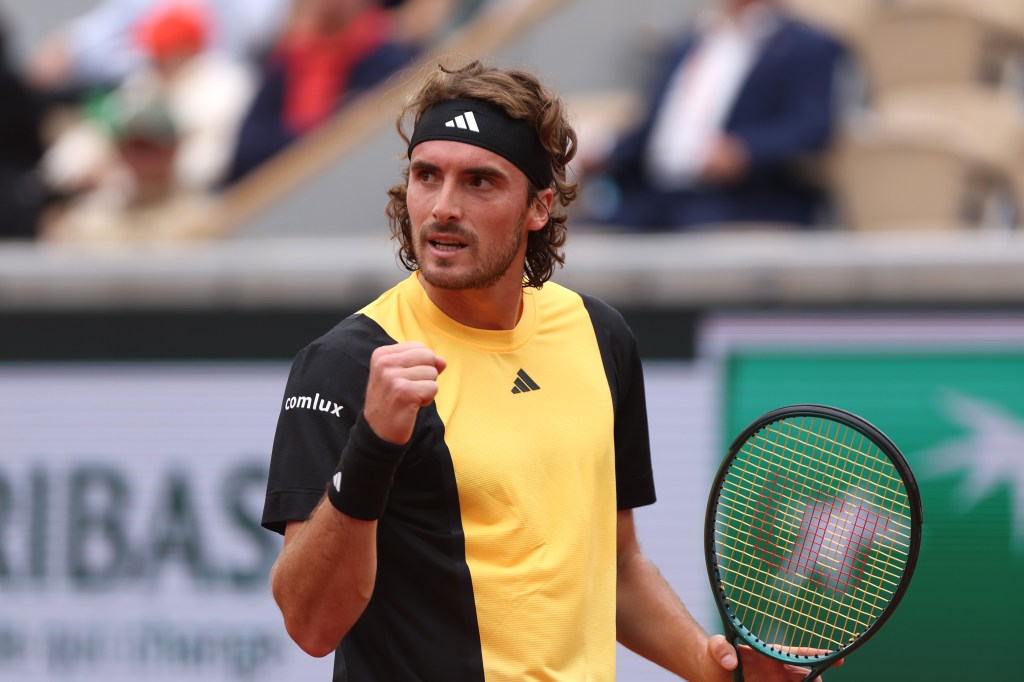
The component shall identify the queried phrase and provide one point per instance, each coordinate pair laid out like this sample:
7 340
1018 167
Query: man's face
151 161
470 215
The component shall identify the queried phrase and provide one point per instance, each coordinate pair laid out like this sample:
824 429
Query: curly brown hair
522 96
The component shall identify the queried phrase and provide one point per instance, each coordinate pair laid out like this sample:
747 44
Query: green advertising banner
958 416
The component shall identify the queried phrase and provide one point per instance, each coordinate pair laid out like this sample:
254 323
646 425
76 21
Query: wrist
366 469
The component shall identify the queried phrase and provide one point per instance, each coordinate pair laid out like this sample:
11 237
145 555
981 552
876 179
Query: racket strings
775 606
761 596
834 448
873 455
831 543
808 560
885 480
818 594
768 606
885 563
792 514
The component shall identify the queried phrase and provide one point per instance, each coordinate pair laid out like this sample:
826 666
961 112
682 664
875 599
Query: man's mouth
446 245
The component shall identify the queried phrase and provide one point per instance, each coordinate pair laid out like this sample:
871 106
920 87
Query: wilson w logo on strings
816 537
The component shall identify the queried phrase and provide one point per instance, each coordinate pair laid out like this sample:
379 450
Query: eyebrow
423 166
484 170
487 171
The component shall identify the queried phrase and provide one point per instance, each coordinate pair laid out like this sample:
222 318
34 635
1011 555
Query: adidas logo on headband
465 121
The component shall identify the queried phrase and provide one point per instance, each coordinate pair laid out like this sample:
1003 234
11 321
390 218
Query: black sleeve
634 476
323 397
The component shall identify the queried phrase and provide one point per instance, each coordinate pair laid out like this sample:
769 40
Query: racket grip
732 638
737 674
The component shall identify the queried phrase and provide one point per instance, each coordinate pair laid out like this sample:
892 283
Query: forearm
653 622
324 577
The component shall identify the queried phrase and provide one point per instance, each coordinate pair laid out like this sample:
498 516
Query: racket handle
733 638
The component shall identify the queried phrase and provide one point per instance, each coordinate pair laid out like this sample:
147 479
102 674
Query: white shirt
701 94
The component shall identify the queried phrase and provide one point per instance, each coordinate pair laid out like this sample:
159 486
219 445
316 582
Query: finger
412 386
802 650
424 391
392 363
420 373
723 652
416 383
422 357
798 673
406 357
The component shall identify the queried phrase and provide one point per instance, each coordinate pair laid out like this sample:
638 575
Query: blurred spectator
99 49
139 198
330 51
22 197
424 22
742 99
207 93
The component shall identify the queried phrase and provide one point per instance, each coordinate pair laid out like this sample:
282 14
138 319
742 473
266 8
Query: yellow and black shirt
496 553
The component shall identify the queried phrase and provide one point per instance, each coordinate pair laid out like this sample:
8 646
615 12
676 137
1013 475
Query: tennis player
481 433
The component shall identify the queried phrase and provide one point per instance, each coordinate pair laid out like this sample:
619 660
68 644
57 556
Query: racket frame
734 629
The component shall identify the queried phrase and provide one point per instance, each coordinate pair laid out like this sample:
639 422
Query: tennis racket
812 533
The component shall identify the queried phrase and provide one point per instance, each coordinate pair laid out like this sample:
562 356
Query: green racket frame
735 630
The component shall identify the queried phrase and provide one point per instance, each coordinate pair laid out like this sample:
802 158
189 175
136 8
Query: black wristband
361 483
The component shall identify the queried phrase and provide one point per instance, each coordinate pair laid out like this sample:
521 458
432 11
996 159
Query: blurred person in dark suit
330 51
741 100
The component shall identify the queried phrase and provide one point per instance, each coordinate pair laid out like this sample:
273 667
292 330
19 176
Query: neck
495 308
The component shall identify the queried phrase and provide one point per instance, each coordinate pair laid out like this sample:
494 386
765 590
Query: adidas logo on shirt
466 121
524 384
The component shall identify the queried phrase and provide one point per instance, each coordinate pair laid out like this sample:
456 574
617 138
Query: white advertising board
130 545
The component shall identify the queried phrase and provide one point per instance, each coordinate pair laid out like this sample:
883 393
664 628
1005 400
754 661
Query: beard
488 270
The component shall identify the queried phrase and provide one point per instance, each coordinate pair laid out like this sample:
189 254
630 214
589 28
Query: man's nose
447 204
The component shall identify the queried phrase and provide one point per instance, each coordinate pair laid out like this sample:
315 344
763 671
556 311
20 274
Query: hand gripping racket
812 533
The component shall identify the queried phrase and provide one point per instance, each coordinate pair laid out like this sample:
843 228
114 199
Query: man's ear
540 209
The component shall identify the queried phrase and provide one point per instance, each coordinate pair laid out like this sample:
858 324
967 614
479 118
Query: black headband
486 125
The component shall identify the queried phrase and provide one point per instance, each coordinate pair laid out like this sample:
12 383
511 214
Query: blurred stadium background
139 384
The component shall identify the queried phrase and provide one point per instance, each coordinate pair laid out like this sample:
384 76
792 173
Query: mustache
452 229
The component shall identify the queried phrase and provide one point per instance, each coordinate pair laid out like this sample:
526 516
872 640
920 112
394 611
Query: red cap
172 28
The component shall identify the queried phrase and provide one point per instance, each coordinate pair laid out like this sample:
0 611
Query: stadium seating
939 138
